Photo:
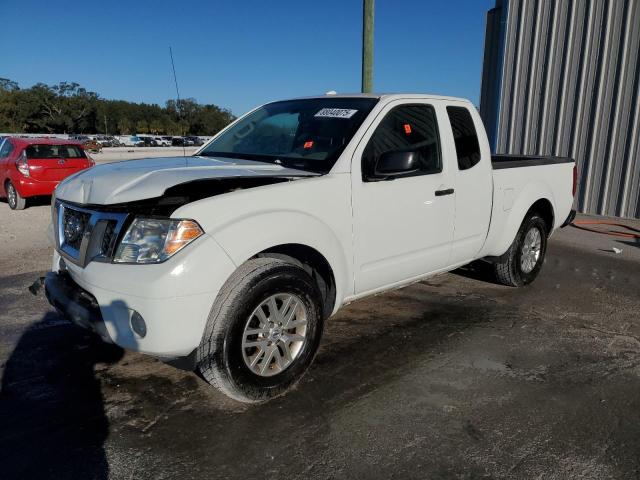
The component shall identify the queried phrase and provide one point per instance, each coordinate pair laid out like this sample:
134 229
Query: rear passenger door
473 179
403 226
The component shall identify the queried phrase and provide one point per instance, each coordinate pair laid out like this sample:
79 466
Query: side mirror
394 164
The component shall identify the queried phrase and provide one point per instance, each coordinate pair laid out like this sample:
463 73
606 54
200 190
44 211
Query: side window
407 128
465 137
5 149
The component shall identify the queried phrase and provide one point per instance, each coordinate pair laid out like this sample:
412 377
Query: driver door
403 225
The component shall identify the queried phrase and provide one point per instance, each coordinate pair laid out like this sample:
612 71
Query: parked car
196 141
181 141
103 140
107 141
234 259
162 142
131 141
92 145
32 167
148 141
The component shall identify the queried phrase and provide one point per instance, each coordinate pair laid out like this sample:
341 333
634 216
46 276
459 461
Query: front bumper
173 298
74 303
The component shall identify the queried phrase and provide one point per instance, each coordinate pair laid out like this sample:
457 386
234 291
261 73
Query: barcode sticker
336 113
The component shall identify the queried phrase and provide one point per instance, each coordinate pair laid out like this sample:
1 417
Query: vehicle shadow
478 270
34 201
52 418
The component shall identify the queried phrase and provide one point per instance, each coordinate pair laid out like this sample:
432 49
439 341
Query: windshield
305 134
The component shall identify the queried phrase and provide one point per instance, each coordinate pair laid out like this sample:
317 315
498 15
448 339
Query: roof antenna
175 79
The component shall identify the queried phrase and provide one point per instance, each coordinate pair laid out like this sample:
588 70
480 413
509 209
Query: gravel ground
115 154
455 377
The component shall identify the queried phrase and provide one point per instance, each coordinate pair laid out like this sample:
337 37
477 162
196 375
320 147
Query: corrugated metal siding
568 84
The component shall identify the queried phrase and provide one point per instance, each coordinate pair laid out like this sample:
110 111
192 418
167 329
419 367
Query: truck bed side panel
516 189
516 161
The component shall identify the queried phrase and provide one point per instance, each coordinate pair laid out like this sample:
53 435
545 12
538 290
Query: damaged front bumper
75 303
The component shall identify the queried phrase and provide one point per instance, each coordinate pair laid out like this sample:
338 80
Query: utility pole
367 45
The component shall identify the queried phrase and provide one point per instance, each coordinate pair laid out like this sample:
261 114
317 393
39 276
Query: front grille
84 235
109 238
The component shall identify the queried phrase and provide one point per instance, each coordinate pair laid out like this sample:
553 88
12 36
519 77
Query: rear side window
6 148
465 136
54 151
405 128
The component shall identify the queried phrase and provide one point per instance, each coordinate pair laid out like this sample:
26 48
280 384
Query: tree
156 126
68 107
7 85
124 126
142 126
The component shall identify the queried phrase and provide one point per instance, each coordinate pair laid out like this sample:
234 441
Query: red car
31 167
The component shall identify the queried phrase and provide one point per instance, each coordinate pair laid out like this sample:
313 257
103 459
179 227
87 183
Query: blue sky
240 54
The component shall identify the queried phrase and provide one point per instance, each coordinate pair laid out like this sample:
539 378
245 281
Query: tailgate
55 162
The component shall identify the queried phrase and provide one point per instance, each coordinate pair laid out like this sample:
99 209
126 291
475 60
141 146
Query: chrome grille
109 238
84 235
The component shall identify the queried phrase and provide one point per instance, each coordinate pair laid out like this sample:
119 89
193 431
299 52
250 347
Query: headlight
151 240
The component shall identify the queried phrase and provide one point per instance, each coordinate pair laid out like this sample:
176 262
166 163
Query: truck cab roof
387 96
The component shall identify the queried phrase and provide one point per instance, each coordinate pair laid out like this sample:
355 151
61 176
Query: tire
227 353
520 265
14 199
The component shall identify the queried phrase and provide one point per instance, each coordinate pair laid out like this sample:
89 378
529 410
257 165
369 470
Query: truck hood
133 180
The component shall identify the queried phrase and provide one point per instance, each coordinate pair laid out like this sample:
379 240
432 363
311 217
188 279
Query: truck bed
516 161
516 188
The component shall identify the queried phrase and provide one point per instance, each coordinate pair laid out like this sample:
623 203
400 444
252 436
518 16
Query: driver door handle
448 191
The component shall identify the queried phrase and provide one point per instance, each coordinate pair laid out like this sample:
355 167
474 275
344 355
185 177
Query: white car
131 141
162 141
234 258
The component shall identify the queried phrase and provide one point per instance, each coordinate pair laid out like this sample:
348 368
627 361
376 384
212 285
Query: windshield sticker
336 113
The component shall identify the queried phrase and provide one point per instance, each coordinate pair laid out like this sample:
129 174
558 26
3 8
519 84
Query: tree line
69 108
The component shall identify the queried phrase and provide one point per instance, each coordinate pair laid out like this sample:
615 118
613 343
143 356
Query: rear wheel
263 331
521 264
15 200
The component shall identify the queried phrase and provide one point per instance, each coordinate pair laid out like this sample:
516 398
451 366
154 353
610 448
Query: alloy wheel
12 195
274 334
531 247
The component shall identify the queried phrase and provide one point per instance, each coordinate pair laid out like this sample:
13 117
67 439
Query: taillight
22 164
575 181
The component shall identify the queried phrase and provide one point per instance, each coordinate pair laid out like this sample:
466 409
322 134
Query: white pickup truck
234 257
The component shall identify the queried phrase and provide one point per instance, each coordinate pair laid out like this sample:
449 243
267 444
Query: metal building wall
562 77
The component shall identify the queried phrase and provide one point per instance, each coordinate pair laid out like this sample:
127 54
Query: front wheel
14 199
263 331
521 264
